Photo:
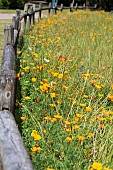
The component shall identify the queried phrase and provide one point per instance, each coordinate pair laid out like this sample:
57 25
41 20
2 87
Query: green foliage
5 4
16 4
11 4
1 4
107 4
66 102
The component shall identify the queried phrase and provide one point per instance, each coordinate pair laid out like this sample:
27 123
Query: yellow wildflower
81 138
85 96
67 123
26 68
47 118
58 102
102 127
100 95
27 98
69 139
76 127
35 135
68 130
72 99
65 87
82 104
69 98
45 87
58 38
88 109
19 52
90 135
107 169
33 80
24 61
112 86
85 75
53 119
53 95
44 131
18 76
22 73
52 105
110 97
65 72
98 86
45 80
79 115
91 169
49 169
23 118
55 74
35 149
57 116
97 166
60 76
102 119
92 39
76 119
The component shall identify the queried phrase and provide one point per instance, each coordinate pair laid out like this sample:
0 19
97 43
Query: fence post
49 10
13 152
55 8
40 5
30 15
18 19
8 35
61 7
33 13
29 12
71 7
14 24
25 17
7 77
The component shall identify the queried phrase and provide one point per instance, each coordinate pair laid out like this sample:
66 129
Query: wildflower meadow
65 91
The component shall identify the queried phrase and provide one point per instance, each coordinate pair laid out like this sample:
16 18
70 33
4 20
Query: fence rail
13 154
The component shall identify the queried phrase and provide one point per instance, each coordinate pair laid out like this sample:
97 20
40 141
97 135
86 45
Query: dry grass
7 11
2 25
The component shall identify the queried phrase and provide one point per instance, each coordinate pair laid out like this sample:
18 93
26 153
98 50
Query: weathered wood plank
40 10
7 79
8 35
8 58
7 90
12 150
18 13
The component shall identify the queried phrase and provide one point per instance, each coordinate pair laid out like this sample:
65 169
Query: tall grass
66 96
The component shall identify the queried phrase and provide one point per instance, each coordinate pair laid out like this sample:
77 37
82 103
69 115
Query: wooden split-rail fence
13 154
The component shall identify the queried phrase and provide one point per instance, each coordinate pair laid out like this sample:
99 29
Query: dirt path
9 16
6 16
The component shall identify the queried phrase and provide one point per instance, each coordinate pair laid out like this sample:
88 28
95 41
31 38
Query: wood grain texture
12 150
8 58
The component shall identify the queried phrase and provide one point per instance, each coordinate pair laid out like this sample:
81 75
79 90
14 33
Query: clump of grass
67 91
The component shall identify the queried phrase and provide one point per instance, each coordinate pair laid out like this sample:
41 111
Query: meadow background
65 91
